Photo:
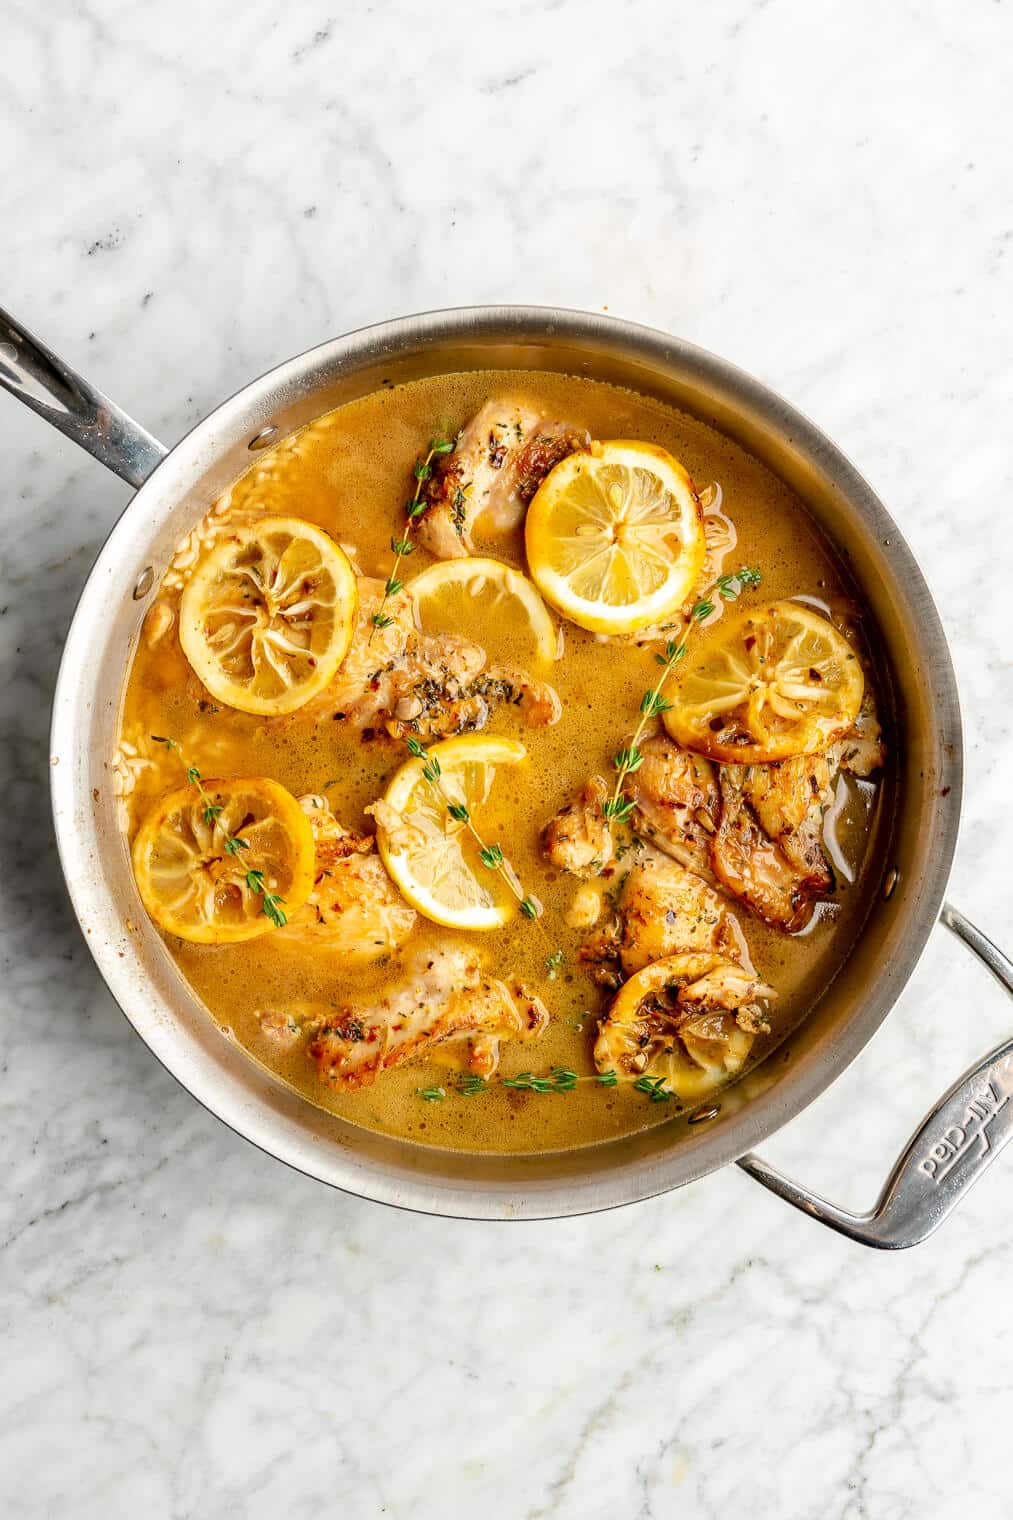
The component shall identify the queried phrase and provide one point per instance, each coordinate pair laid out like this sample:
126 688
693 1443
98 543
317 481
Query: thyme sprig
629 759
654 1088
233 844
491 855
559 1080
403 546
470 1086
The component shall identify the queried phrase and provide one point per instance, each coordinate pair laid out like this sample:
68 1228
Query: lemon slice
647 1033
485 601
615 538
195 886
267 617
434 858
770 683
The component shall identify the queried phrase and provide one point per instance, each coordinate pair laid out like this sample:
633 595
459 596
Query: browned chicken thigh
755 829
403 681
662 909
677 802
768 849
443 998
501 458
354 910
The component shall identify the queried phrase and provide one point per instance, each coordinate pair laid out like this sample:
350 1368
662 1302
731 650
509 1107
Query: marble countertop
822 194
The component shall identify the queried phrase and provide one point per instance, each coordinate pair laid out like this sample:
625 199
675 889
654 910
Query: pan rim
448 1196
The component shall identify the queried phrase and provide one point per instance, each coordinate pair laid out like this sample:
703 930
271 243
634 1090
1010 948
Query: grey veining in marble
190 194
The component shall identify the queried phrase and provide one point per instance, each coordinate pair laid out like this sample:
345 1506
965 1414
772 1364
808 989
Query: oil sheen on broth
347 473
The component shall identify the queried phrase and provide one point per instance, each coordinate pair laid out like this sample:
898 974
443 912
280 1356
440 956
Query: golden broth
349 472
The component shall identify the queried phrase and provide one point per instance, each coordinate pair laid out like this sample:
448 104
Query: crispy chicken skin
578 839
677 802
536 700
783 794
443 998
354 909
501 458
755 829
384 665
667 910
437 709
779 884
402 681
663 910
550 443
789 798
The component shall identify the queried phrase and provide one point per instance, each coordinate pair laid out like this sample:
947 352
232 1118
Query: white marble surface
192 193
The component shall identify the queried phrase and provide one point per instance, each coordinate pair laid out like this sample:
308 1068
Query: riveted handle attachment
949 1151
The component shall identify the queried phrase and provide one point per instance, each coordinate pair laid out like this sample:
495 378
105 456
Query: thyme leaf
559 1080
471 1086
654 1088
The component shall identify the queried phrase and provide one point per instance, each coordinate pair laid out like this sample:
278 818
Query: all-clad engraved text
962 1140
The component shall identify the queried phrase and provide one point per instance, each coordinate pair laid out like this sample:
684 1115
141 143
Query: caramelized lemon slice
433 857
615 538
771 683
267 617
484 600
693 1048
203 874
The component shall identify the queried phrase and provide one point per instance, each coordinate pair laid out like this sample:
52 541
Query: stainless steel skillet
964 1131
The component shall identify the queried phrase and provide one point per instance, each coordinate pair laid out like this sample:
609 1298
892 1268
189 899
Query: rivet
890 881
263 438
144 583
703 1114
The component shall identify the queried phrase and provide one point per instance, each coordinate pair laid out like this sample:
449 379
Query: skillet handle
52 390
953 1145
